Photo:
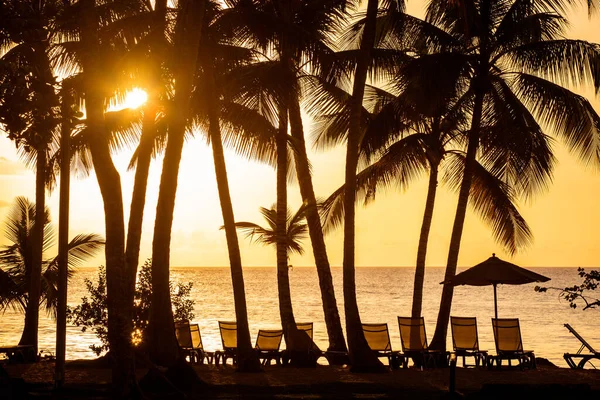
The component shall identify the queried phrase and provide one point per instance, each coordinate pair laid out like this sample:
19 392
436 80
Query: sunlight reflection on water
383 294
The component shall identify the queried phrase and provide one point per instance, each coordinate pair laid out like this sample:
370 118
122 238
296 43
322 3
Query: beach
323 382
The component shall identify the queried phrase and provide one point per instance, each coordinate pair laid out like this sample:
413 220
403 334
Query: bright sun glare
135 98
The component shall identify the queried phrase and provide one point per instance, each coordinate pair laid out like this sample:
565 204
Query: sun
135 98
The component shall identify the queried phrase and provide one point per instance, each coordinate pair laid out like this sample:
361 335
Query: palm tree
290 34
296 229
84 23
361 356
405 141
30 113
187 35
216 54
295 232
16 258
514 66
154 86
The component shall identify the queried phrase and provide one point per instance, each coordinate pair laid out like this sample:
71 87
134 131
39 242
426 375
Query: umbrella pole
495 302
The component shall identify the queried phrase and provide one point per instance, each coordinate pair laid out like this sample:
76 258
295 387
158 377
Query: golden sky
565 220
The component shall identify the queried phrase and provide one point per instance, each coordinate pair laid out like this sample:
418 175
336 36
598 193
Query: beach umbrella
495 271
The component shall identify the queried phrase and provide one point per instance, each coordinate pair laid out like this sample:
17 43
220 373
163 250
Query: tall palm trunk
138 197
361 356
163 343
247 360
140 183
315 229
283 279
45 91
30 330
119 309
441 329
423 240
67 102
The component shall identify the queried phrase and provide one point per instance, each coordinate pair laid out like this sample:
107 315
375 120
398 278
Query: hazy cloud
9 167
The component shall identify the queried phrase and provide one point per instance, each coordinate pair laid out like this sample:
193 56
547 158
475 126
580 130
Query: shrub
92 313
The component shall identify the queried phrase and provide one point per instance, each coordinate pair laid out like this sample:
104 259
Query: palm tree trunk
361 356
163 342
119 309
423 240
138 198
315 229
247 360
283 280
30 330
441 329
140 183
67 102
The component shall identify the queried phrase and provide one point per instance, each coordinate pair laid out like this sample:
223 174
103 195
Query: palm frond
570 115
566 62
494 201
402 163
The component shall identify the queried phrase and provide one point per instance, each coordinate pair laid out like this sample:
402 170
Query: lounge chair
267 345
509 345
310 349
306 327
378 339
228 331
190 342
569 357
414 344
465 340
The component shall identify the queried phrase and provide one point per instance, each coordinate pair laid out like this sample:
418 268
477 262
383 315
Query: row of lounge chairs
413 339
465 341
268 343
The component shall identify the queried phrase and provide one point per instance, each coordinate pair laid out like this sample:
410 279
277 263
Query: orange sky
565 220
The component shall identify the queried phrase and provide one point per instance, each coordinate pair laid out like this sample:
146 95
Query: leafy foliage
296 229
92 313
16 258
578 293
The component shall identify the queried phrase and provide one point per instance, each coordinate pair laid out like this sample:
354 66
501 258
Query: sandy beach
35 380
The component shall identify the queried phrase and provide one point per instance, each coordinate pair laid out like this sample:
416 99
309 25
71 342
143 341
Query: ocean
383 293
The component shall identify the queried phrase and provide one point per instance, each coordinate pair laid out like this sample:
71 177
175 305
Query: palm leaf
571 116
494 201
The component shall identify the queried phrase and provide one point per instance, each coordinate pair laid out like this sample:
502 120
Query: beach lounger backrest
183 334
464 333
581 339
377 336
269 339
306 327
507 335
196 337
228 331
412 334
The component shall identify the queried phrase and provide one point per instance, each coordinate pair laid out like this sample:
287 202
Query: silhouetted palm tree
153 83
216 58
404 142
187 36
16 258
295 231
85 24
512 70
29 112
361 356
292 35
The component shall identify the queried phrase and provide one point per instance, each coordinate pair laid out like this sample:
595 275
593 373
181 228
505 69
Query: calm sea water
383 294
